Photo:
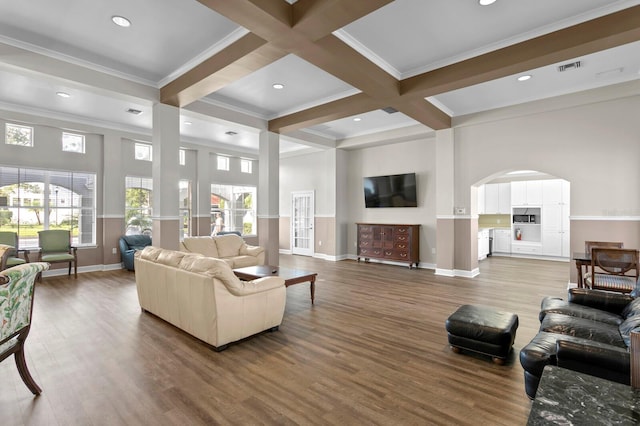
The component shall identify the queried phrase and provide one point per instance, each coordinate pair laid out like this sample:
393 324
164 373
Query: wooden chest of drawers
389 242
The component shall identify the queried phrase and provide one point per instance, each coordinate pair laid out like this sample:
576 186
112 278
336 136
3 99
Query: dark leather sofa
129 244
588 333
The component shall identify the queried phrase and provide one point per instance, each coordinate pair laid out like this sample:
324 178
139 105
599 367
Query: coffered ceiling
338 60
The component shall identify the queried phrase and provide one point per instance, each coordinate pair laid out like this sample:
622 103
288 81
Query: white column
269 196
203 193
166 143
445 228
113 196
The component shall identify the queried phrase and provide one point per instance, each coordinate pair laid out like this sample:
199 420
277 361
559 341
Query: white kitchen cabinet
497 198
555 218
526 193
502 241
481 199
483 243
525 247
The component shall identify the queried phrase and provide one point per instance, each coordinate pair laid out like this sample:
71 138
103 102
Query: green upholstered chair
55 247
16 307
13 259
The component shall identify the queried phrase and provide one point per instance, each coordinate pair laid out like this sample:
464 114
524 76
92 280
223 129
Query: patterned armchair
16 307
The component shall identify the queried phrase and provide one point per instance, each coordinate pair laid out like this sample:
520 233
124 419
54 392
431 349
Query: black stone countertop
565 397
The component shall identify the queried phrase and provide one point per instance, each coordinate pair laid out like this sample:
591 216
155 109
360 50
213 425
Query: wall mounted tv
390 191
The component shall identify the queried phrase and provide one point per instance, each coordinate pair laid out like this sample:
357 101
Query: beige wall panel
285 233
269 238
445 238
466 244
325 235
112 231
626 231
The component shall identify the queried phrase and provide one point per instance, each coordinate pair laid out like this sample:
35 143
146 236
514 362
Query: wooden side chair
613 269
11 239
588 245
16 307
55 247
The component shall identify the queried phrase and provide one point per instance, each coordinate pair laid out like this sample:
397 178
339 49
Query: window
223 162
73 143
137 215
43 199
143 152
18 135
233 208
182 157
246 166
185 207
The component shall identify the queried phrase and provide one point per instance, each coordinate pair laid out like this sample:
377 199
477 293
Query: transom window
182 155
143 151
223 162
246 166
15 134
72 142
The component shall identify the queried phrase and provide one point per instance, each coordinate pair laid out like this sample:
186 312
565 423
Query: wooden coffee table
291 276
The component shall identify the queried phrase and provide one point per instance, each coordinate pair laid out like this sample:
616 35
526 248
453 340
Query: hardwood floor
372 350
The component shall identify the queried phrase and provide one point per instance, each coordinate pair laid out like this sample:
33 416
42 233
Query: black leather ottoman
482 329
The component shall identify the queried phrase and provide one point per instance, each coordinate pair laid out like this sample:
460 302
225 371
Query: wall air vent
570 66
389 110
134 111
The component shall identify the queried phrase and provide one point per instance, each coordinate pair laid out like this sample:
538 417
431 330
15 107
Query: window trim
19 126
82 142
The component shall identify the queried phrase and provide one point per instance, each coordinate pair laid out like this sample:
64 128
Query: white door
302 220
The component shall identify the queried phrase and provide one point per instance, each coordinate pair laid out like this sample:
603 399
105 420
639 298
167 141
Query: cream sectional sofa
202 296
230 248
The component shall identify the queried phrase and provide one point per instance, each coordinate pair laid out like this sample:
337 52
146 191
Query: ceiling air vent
134 111
389 110
569 66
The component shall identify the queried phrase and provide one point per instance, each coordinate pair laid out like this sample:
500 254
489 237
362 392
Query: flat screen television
390 191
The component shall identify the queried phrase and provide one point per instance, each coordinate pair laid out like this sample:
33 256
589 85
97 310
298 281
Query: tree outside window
138 210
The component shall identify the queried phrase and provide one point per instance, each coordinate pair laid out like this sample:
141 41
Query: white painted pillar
269 196
166 144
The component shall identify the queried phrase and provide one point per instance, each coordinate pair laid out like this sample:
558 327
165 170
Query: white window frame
12 128
143 151
223 162
182 157
79 138
246 166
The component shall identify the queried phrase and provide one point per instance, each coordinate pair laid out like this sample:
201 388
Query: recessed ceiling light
524 77
357 119
278 86
63 94
188 123
486 2
121 21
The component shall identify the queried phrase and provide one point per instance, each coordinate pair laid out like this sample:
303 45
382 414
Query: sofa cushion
228 245
202 245
150 253
552 305
243 261
583 328
170 257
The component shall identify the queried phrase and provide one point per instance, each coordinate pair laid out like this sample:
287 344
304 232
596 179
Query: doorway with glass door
302 221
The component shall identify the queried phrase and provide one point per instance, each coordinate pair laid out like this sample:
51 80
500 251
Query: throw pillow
631 309
636 290
627 327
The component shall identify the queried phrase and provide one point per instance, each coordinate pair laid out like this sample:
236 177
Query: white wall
596 147
415 156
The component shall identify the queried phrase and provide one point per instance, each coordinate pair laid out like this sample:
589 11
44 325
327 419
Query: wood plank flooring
371 351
